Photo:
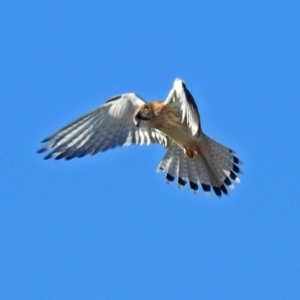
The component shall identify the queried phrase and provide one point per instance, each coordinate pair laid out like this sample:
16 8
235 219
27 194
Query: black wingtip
41 150
227 181
206 187
236 160
193 186
114 98
69 157
47 139
232 175
181 181
60 156
48 156
217 191
170 177
224 190
235 168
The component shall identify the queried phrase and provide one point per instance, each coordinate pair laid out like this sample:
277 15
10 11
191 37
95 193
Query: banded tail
213 169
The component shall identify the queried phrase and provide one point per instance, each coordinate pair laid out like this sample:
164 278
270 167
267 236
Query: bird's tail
214 168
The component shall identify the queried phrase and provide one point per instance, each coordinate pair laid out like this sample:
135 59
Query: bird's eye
145 114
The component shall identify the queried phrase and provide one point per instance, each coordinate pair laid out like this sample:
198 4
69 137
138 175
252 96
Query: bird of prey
126 119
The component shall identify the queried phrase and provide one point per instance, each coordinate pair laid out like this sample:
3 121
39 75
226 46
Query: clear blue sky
108 227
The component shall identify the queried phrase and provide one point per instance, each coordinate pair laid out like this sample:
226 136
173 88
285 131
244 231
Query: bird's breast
169 121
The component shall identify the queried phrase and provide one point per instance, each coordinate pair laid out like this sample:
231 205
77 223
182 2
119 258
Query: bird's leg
188 153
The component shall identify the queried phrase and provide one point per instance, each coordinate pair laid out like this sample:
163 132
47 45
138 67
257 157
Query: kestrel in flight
175 123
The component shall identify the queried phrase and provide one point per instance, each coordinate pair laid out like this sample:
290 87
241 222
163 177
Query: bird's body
174 123
174 128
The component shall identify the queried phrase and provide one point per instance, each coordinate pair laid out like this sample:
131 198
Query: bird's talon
188 153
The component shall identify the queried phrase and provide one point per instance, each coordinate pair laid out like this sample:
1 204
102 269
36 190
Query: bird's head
144 115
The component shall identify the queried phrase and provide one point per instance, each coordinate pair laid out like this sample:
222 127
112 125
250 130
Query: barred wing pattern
108 126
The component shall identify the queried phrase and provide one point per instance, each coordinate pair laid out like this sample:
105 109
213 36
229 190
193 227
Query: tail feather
165 162
193 176
213 173
221 160
183 170
173 167
213 169
217 149
203 174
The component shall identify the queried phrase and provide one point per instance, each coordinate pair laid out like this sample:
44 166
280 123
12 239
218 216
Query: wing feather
106 127
180 94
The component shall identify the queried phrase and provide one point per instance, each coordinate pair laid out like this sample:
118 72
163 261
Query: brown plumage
175 123
168 119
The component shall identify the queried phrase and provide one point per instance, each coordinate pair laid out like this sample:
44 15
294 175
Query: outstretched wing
181 95
108 126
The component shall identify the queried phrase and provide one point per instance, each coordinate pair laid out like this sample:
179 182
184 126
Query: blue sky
108 227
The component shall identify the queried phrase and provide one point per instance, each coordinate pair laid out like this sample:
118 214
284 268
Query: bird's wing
181 95
106 127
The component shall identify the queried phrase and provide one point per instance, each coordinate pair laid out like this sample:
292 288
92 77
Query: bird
191 156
